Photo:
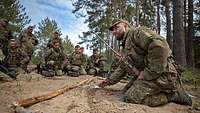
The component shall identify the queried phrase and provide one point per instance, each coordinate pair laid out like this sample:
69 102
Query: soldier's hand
141 76
103 84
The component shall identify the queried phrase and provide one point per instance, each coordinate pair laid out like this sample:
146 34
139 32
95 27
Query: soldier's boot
128 85
180 97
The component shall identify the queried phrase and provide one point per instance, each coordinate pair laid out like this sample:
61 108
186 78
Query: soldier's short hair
77 46
81 47
30 27
95 49
56 32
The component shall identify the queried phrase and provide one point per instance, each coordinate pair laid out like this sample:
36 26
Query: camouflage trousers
80 70
151 93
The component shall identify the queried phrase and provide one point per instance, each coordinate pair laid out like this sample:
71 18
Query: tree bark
137 12
178 33
190 34
168 18
158 16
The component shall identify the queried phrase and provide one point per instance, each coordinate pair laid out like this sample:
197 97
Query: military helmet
116 22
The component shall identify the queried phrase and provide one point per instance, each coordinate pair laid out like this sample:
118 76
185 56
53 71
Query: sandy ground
84 99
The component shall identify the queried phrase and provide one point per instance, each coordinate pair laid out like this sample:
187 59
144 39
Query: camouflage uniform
78 62
55 61
27 42
5 36
54 39
15 58
160 75
95 68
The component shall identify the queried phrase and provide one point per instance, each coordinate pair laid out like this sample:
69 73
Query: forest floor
83 99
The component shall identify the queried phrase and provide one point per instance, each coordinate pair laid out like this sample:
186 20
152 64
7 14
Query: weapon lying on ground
10 73
132 70
33 100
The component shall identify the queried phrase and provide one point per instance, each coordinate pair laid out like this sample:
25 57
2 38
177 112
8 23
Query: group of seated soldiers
17 52
75 64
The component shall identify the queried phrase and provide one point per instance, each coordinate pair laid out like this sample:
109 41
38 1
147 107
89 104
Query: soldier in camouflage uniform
84 59
115 63
156 76
77 62
16 58
5 36
27 42
95 64
55 38
55 61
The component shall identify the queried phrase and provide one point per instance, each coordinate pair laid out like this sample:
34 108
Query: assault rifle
130 69
10 73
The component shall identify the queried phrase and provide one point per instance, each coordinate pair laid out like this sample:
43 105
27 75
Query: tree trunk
137 12
158 16
168 18
190 34
178 33
123 6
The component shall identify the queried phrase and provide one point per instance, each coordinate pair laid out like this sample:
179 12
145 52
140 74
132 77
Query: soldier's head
81 49
12 43
3 22
56 45
77 49
95 52
118 28
30 29
56 34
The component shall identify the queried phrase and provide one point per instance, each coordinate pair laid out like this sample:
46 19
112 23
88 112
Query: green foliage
13 11
68 46
191 76
197 15
46 29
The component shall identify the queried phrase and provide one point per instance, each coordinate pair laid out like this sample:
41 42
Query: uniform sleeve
118 74
47 54
24 57
156 59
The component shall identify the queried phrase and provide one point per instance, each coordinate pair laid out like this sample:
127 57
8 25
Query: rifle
130 69
10 73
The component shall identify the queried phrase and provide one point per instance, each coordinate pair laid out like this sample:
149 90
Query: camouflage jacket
27 42
92 62
58 57
78 59
148 51
16 58
114 65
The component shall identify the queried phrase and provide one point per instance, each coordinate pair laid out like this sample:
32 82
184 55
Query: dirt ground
84 99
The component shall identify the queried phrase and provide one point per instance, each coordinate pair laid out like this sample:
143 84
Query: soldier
55 38
15 59
55 61
115 62
84 57
77 62
95 64
155 72
27 42
5 36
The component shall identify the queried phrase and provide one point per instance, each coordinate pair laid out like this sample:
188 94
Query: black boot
180 97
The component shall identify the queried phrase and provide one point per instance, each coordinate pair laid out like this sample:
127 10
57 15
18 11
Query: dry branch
33 100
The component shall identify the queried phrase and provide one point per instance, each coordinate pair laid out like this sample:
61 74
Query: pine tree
46 28
13 11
